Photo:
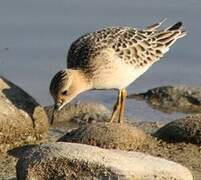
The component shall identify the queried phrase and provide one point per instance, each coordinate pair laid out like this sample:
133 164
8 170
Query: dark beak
55 108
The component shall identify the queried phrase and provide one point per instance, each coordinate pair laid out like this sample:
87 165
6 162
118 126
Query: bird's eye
64 92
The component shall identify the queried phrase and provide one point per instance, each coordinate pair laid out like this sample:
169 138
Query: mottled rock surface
22 119
187 154
172 98
78 161
107 135
80 112
186 129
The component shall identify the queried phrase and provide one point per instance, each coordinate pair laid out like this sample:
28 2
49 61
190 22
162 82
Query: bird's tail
176 27
154 26
161 40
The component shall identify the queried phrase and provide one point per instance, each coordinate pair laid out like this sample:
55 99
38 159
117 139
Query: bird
111 58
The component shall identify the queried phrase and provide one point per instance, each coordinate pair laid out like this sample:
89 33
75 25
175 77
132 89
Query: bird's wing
141 47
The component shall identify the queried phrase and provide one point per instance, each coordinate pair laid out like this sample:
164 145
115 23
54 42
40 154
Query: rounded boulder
107 135
83 162
186 129
22 119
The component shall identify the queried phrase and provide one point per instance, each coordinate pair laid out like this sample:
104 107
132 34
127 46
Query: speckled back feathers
134 47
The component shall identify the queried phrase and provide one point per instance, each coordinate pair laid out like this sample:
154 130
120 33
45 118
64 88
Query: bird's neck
80 80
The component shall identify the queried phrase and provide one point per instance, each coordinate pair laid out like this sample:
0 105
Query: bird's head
65 86
62 88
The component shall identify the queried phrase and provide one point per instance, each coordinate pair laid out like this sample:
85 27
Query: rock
78 161
22 119
186 129
172 98
107 135
80 112
147 127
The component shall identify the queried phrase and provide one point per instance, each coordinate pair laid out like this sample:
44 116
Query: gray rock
22 119
78 161
107 135
186 129
172 98
80 112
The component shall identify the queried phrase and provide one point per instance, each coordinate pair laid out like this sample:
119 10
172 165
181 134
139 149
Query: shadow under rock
21 151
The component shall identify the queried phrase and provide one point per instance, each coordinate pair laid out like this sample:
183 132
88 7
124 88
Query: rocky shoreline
24 143
169 99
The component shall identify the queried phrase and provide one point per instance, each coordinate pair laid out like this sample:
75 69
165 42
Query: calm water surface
35 36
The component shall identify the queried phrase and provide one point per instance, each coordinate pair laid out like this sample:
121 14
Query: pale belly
117 75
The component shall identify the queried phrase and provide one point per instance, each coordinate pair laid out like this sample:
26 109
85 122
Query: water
35 36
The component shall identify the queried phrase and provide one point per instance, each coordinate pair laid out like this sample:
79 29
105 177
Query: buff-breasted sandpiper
111 58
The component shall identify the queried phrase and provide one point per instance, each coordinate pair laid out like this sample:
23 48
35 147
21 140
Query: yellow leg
122 106
116 108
